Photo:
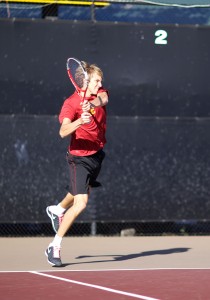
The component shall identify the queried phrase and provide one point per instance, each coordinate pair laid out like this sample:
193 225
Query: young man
85 123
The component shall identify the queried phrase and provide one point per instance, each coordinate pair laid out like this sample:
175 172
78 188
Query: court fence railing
195 11
122 228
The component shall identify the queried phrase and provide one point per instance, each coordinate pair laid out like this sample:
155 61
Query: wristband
101 102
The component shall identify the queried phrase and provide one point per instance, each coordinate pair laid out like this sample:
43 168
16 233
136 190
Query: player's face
95 83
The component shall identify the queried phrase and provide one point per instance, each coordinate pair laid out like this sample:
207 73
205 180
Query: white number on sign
161 37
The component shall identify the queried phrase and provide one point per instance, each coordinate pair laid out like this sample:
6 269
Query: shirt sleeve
102 90
67 111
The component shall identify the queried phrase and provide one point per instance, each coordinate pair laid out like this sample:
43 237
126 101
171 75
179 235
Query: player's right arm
68 127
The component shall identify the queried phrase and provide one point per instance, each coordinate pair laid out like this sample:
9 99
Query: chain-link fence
191 12
138 228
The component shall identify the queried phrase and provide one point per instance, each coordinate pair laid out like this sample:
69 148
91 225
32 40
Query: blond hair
91 69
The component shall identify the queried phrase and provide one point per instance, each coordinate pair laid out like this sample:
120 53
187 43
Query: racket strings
77 74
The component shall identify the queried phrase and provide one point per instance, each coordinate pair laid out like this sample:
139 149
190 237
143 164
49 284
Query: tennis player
85 124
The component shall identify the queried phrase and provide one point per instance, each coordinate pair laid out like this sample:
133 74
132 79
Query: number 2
161 37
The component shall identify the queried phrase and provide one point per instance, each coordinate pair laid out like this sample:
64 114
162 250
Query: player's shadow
123 257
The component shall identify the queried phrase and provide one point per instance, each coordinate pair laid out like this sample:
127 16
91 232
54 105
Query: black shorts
84 171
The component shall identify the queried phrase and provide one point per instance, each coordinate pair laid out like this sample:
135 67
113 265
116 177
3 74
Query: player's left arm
102 99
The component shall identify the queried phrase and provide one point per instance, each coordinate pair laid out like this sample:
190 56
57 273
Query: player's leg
67 201
83 172
80 203
53 250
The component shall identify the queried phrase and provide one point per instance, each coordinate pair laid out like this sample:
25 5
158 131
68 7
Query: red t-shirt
88 138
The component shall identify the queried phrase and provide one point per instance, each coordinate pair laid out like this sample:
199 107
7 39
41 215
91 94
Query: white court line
106 270
96 286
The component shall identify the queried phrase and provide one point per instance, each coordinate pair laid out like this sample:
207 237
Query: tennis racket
77 75
79 78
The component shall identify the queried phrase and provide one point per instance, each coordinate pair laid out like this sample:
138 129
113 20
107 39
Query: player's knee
80 205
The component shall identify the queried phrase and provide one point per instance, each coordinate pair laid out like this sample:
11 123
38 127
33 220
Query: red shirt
88 138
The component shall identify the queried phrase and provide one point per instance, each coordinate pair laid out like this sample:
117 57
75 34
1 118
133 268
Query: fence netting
114 11
123 228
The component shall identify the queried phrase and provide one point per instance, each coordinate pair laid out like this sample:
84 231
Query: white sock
57 241
57 209
60 209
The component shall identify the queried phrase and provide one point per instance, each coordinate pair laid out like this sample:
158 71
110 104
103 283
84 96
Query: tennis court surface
114 268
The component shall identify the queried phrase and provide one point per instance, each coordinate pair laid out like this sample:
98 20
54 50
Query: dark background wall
144 78
157 164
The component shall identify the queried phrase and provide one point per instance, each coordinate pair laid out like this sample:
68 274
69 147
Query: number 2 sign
161 37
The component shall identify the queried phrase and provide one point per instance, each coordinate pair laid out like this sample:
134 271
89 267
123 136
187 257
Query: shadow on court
124 257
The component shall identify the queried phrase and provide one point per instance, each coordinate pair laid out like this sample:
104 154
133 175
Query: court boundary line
103 270
99 287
